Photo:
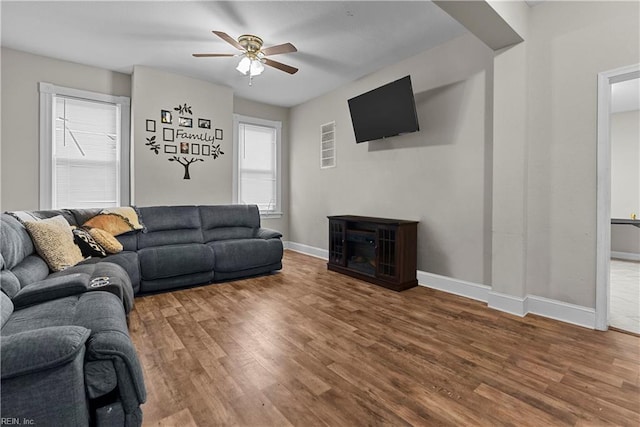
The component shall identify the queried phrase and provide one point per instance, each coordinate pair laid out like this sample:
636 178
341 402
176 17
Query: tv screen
383 112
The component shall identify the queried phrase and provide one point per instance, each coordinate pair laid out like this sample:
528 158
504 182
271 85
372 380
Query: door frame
603 188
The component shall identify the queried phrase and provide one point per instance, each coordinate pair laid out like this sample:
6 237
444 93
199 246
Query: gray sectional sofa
67 358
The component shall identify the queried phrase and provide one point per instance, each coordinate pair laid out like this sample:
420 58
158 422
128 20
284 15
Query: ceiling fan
254 57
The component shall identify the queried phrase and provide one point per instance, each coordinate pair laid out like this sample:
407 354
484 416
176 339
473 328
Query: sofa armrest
53 288
267 233
33 351
117 347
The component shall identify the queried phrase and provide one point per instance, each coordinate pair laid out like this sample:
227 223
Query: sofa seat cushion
97 311
127 260
243 254
118 277
175 260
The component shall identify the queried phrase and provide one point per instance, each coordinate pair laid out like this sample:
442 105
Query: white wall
158 181
438 176
625 179
569 43
21 73
625 164
260 110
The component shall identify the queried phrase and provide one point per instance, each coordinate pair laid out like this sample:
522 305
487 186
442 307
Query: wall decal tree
181 137
186 164
153 146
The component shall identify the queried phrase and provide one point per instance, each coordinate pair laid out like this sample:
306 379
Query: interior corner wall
509 172
159 174
440 176
569 43
21 72
260 110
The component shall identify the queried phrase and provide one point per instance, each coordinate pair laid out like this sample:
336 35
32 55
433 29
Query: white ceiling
337 42
625 96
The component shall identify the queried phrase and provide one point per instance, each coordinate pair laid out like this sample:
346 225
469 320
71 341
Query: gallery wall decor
179 136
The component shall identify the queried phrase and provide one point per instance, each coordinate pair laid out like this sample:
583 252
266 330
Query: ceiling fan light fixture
244 66
256 68
253 56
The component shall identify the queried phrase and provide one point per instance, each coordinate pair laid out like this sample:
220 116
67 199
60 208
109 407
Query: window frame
48 91
238 119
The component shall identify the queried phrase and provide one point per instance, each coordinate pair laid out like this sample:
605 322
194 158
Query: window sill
270 215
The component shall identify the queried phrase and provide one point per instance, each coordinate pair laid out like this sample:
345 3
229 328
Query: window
84 149
257 164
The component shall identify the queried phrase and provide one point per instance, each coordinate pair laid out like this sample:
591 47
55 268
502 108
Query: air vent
328 145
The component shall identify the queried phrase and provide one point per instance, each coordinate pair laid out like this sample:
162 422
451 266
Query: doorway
618 201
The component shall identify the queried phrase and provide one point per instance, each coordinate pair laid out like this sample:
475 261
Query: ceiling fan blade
280 66
212 55
281 48
226 37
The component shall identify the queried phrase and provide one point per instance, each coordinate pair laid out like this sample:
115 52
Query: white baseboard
563 311
454 286
307 250
508 303
627 256
519 306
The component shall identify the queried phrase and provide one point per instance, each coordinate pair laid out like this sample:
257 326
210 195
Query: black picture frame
171 149
195 149
206 150
151 125
185 122
166 117
167 134
219 134
204 123
184 148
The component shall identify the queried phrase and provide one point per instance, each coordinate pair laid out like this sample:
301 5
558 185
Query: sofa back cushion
15 241
21 266
169 225
225 222
83 215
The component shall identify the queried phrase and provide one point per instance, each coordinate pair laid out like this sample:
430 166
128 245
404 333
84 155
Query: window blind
257 166
86 153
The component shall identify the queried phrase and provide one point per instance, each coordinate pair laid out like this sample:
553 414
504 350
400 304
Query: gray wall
439 176
270 112
568 45
625 179
21 73
158 181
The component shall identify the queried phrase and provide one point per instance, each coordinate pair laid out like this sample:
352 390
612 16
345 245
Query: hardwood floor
309 347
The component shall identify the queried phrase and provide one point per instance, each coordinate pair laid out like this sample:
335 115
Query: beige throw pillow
115 221
53 240
127 212
106 240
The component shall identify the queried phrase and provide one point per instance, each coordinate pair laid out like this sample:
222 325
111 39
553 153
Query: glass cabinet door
386 248
337 242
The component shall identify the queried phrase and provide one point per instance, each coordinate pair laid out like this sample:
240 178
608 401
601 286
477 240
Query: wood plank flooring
309 347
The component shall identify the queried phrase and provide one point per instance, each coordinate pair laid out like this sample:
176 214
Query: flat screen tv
389 110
